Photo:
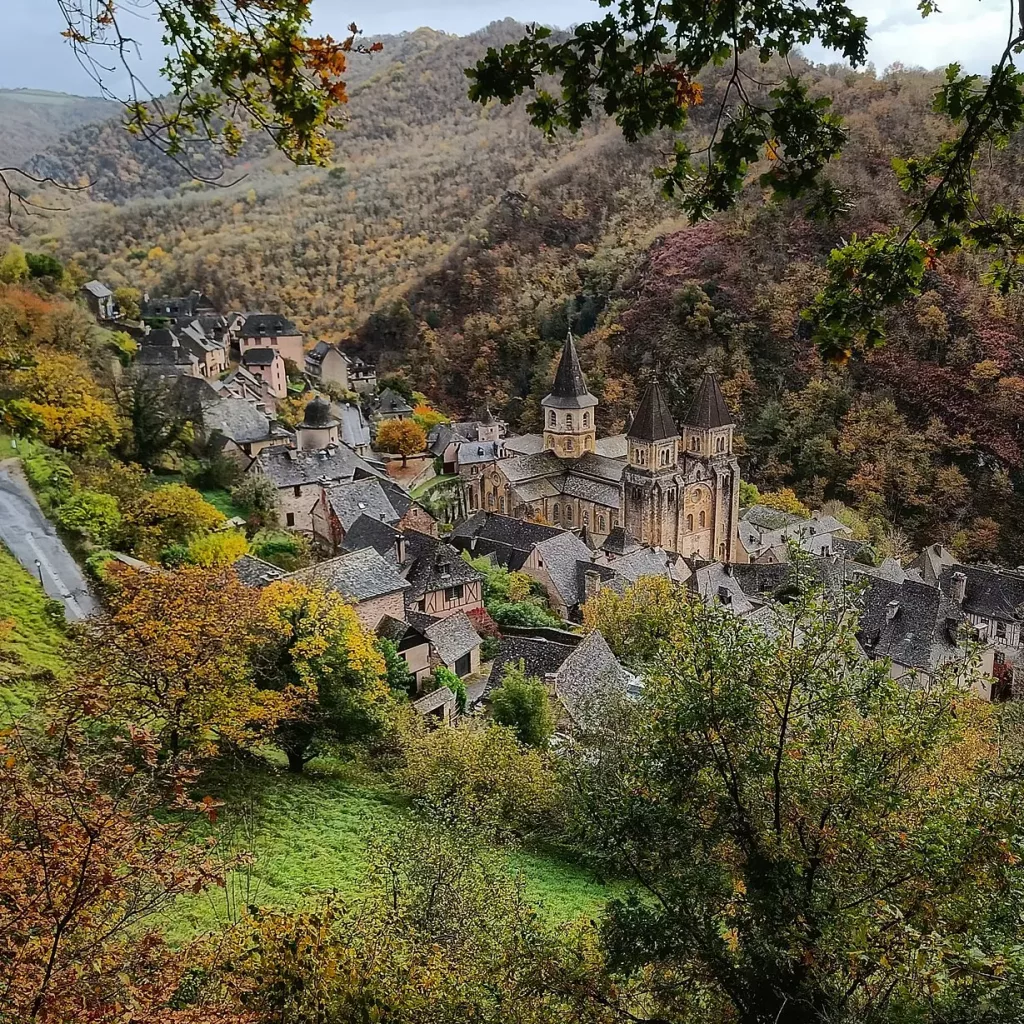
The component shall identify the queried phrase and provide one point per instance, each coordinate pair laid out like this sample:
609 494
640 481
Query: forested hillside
32 119
455 241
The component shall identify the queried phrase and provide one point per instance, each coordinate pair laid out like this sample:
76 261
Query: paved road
32 539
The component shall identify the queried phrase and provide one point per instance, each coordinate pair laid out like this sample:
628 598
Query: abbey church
667 485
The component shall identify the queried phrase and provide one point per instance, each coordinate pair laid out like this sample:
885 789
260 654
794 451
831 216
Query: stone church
669 486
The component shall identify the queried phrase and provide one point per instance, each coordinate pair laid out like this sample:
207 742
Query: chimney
937 548
958 591
591 584
400 548
892 609
727 568
725 595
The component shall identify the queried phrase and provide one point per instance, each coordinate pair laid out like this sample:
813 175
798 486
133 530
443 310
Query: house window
568 515
1001 629
703 519
290 518
453 593
297 490
689 522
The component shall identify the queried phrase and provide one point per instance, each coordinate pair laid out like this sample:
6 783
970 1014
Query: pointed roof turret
653 420
569 390
708 408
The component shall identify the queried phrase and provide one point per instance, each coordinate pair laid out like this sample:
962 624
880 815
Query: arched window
586 444
552 419
721 444
671 495
689 523
703 519
490 501
637 494
568 515
586 419
568 421
503 506
556 513
568 444
586 518
721 551
601 521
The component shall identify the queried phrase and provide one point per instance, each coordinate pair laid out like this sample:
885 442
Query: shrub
96 564
91 515
258 497
399 678
522 703
288 551
219 473
213 550
446 677
167 515
50 476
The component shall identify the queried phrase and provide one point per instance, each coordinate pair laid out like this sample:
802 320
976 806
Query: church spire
708 409
653 420
569 389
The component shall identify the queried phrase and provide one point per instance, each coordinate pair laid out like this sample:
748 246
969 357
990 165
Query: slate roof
911 623
590 676
540 657
439 437
390 401
932 560
558 556
255 572
597 491
614 447
355 498
653 420
432 701
361 575
508 540
97 289
267 325
618 542
434 565
402 634
708 408
525 444
990 593
763 518
369 532
452 636
288 467
315 356
647 561
355 431
469 453
238 420
716 583
569 390
260 356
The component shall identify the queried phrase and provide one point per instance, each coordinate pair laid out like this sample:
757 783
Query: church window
601 521
703 519
552 418
721 551
694 444
671 495
556 513
568 444
568 515
720 444
586 518
503 505
586 419
568 421
637 494
689 522
586 444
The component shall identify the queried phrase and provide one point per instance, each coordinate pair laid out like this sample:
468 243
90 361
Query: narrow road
32 539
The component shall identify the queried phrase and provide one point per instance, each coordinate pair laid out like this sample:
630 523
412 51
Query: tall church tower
569 429
650 485
709 515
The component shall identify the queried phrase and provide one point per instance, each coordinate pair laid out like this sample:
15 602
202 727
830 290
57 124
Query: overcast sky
33 54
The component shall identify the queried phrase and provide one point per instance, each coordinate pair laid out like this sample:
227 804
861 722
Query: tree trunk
296 762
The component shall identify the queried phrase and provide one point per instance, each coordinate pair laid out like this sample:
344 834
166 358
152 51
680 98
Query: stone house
411 643
240 427
319 427
362 376
340 505
589 679
100 299
392 406
425 642
365 578
300 478
326 362
441 581
271 330
765 534
212 353
267 365
508 541
558 563
192 305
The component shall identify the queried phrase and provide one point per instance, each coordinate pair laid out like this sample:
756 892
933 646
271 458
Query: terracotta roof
653 420
708 408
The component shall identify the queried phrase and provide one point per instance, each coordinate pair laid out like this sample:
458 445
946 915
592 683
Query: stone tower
650 484
569 429
318 428
709 514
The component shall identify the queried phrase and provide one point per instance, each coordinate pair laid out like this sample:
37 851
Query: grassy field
221 500
30 640
428 485
312 837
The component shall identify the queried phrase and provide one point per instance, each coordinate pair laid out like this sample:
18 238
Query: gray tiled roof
569 390
618 542
597 491
390 401
355 431
589 677
525 444
708 408
356 498
434 565
558 556
653 420
764 518
469 453
267 325
614 447
288 467
238 420
97 289
434 700
259 356
539 657
254 572
360 575
452 636
369 532
508 540
990 593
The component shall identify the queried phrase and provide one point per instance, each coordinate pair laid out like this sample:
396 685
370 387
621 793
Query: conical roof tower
653 420
708 408
569 390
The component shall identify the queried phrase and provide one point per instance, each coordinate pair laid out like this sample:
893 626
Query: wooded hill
33 119
453 240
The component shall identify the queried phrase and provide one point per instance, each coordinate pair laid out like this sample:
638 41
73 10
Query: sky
33 54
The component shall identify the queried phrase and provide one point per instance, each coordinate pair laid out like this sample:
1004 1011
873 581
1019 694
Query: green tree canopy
522 703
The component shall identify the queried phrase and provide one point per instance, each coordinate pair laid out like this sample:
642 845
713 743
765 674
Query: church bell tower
649 479
569 429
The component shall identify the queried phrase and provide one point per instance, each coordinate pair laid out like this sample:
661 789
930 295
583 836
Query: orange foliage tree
402 437
171 655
